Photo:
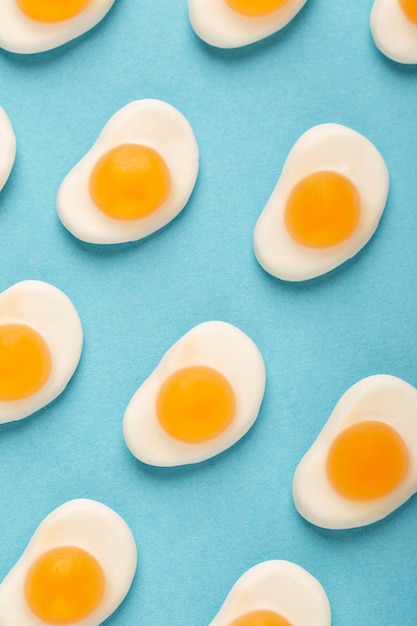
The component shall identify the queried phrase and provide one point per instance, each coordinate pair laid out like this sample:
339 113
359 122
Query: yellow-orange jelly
367 461
261 618
195 404
130 182
256 8
25 362
409 8
51 11
64 585
322 210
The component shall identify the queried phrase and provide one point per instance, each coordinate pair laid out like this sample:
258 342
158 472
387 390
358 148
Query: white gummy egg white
281 587
7 147
49 312
394 33
148 122
380 398
218 24
326 147
217 345
92 527
21 34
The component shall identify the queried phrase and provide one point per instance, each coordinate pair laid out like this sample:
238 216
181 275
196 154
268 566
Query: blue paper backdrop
199 528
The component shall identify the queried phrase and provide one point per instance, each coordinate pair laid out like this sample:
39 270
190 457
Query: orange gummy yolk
409 8
256 8
261 618
52 10
25 362
195 404
367 461
130 182
64 585
322 210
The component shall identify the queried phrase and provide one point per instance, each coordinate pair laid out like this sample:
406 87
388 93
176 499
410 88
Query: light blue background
199 528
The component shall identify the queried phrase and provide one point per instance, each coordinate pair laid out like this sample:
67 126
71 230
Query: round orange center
25 362
195 404
367 461
52 10
130 182
261 618
64 585
322 210
256 8
409 8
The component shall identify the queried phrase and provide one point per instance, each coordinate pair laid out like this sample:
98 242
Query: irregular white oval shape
393 33
218 25
279 586
51 313
85 524
383 398
21 35
214 344
149 122
7 147
323 147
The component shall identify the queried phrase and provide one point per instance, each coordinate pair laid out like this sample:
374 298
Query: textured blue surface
199 528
